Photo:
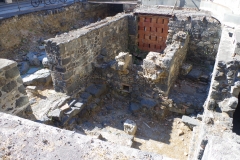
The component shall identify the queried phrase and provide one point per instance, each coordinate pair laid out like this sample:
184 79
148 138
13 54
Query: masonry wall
13 96
204 32
19 32
72 55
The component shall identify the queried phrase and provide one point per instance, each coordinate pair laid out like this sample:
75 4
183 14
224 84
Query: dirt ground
169 137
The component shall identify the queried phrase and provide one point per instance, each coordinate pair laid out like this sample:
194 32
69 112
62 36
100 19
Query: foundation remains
139 85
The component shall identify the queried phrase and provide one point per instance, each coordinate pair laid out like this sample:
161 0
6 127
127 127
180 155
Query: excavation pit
148 66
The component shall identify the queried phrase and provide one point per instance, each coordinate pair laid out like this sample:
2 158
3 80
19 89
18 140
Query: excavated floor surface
169 137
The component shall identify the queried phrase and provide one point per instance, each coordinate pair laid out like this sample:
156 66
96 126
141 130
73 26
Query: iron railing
25 5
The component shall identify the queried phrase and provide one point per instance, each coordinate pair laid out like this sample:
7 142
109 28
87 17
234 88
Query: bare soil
169 137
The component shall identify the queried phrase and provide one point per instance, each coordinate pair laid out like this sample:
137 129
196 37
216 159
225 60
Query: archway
236 118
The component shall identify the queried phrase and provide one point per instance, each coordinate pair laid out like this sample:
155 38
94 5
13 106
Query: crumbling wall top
74 34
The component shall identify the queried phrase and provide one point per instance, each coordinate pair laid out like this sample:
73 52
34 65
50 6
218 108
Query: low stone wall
71 55
14 99
16 34
164 68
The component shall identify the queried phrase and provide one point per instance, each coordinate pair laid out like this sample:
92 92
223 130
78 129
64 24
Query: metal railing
25 5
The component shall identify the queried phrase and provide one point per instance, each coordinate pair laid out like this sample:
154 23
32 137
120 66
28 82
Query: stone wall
14 99
164 68
148 84
71 55
222 98
18 35
204 32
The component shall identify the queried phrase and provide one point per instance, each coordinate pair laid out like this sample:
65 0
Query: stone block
186 68
9 86
24 67
134 107
33 59
130 127
20 102
42 76
211 104
96 90
190 122
194 74
12 73
86 96
22 89
45 62
56 114
149 103
72 111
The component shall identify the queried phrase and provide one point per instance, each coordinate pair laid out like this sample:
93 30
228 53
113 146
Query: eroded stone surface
29 140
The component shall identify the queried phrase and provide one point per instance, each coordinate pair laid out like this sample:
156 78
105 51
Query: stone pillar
14 99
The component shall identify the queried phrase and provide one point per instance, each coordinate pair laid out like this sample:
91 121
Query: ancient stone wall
14 99
204 34
18 31
71 55
149 84
222 98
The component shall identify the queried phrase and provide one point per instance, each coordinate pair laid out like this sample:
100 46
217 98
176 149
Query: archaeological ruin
104 80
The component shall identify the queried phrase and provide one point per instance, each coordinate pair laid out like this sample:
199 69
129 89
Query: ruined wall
148 84
14 99
19 31
204 34
164 68
71 55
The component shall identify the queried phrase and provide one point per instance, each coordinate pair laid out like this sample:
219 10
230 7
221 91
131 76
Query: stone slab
191 122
